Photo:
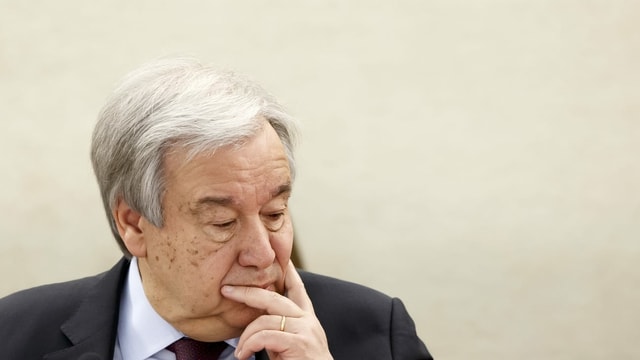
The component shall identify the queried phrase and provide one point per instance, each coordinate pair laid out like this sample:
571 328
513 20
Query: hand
302 336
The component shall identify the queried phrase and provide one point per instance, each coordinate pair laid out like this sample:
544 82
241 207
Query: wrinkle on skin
205 244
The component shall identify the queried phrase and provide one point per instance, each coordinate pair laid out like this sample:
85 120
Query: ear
128 222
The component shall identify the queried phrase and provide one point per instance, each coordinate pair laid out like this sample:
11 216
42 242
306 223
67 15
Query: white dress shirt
142 333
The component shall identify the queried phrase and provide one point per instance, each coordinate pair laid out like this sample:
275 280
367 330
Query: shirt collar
141 331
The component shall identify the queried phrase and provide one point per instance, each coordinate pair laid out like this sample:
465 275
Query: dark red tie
189 349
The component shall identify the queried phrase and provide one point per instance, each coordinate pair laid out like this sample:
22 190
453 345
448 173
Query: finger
269 301
262 323
271 340
295 290
272 322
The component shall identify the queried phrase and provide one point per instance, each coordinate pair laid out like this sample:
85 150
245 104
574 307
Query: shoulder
32 321
61 298
361 322
323 288
47 303
346 308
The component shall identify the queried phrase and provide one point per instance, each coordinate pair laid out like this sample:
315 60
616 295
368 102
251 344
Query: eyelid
276 205
276 215
274 220
224 224
275 212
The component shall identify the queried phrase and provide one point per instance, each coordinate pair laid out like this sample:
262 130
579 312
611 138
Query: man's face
226 222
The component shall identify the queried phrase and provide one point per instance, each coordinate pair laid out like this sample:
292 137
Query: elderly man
195 168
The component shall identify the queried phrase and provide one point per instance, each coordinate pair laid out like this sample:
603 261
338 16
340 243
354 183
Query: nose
256 250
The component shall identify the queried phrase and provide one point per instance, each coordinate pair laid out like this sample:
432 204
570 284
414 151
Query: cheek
178 252
282 243
212 264
162 250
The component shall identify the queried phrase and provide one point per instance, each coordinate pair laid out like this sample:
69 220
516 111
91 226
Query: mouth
271 286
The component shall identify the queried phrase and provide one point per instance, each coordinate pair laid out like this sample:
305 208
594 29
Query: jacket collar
92 328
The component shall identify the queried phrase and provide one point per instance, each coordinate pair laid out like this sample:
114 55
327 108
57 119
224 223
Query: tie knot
189 349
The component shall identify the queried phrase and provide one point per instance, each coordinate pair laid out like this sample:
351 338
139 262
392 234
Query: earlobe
128 222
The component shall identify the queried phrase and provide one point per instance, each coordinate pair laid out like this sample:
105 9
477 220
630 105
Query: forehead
259 165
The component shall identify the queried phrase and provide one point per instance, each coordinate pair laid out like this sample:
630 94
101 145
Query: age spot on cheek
173 250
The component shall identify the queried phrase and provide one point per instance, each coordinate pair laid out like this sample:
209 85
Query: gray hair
167 103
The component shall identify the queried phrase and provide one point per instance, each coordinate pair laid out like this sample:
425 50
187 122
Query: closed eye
225 225
274 221
276 216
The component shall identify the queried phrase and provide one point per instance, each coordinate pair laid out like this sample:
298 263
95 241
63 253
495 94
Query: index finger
295 290
257 298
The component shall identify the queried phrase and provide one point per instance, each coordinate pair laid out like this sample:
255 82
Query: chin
242 316
226 325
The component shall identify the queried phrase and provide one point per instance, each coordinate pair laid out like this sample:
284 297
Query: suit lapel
93 327
92 330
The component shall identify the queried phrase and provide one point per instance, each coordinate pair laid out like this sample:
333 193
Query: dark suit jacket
78 320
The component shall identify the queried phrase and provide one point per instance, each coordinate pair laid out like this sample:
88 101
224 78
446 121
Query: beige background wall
478 159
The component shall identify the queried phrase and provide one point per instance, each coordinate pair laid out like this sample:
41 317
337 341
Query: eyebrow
280 190
228 200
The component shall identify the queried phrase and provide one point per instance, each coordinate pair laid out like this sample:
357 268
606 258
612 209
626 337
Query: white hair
167 103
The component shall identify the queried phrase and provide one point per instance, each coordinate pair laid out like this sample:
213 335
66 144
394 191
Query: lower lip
270 287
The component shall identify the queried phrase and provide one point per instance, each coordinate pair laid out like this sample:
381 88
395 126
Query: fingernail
227 289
